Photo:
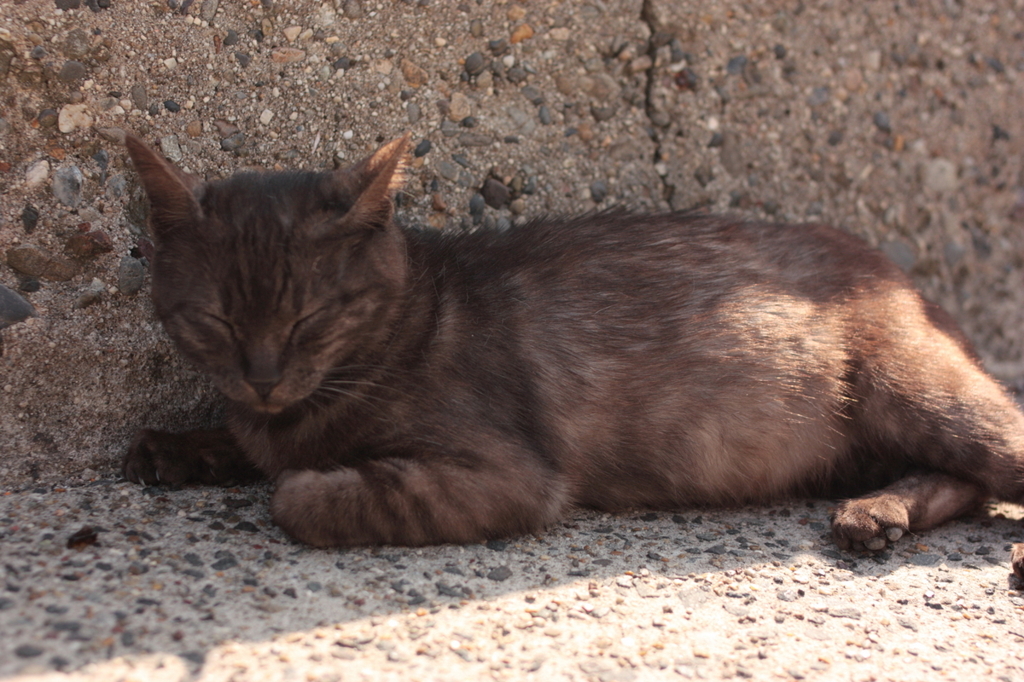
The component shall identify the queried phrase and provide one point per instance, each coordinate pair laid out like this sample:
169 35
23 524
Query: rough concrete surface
900 122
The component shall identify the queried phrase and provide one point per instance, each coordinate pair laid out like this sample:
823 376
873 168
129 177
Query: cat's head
267 281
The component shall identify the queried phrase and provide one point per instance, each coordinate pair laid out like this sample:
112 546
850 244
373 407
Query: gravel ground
198 584
899 122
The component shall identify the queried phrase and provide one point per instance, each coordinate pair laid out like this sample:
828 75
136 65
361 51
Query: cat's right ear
171 191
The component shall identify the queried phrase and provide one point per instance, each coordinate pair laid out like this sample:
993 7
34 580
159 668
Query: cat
410 387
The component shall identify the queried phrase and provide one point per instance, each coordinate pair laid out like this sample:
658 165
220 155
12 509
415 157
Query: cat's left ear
172 192
376 179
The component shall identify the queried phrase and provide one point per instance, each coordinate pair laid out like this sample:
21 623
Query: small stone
37 52
93 294
818 96
209 9
414 75
102 159
72 71
112 134
544 114
243 59
116 186
500 574
533 94
518 206
13 308
30 650
476 28
460 107
292 32
603 113
89 244
47 118
475 140
287 55
476 207
77 44
172 106
788 595
641 64
66 5
495 193
780 51
881 121
225 128
139 97
521 33
844 612
353 9
448 170
224 563
736 64
67 185
233 142
130 275
36 262
194 129
37 173
422 148
516 74
266 117
939 175
598 191
29 218
475 64
413 112
73 116
925 559
231 38
170 148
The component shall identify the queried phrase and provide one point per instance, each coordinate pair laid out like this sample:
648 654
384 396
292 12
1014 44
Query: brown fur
415 387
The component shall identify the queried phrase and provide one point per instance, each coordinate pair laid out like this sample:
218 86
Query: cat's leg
926 405
1017 560
915 503
208 456
428 499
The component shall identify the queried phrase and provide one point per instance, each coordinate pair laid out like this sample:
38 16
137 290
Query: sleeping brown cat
415 387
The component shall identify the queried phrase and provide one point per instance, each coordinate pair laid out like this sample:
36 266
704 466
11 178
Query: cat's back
697 254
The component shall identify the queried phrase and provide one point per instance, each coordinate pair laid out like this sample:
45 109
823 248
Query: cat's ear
171 191
376 179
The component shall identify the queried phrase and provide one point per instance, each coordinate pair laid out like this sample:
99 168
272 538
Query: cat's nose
263 388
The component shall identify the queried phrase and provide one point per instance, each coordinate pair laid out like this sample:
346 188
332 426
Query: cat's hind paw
869 523
1017 560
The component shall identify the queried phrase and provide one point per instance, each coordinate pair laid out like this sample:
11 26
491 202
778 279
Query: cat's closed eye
306 326
219 323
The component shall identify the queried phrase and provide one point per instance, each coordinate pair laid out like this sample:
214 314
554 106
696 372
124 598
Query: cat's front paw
153 457
319 508
869 523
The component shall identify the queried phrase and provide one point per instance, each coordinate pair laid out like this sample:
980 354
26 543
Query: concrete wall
900 122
